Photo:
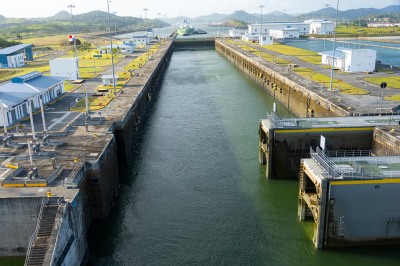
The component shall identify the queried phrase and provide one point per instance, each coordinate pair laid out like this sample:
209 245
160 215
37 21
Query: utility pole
261 34
71 6
334 45
111 47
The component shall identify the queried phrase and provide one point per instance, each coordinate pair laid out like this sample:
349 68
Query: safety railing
33 237
69 181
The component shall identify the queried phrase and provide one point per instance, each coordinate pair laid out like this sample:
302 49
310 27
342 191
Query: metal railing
69 180
33 237
337 169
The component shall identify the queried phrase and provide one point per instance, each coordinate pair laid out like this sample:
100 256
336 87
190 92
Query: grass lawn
395 98
301 54
325 81
12 261
393 82
32 66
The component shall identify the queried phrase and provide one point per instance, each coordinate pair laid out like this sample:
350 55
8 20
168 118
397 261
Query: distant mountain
325 13
243 16
330 13
212 18
62 15
60 23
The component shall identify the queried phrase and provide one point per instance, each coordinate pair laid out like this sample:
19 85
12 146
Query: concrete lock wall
103 180
356 213
68 243
385 143
18 218
289 146
298 99
127 130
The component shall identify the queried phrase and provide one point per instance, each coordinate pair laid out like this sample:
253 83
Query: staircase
40 239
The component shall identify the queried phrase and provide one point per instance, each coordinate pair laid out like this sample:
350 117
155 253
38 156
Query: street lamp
334 46
165 29
327 5
71 6
111 47
145 15
115 25
159 40
260 40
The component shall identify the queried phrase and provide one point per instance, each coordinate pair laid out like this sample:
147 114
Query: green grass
325 81
12 261
393 82
395 98
301 54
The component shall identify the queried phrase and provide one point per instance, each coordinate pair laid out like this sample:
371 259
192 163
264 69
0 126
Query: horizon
290 7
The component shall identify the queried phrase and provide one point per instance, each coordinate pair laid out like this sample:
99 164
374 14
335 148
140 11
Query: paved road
370 103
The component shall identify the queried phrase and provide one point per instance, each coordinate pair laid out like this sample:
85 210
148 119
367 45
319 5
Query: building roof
338 54
10 99
25 86
43 83
15 48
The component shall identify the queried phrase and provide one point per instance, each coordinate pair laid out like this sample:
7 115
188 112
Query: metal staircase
39 241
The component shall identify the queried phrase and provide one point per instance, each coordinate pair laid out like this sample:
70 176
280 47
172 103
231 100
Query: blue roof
23 78
15 48
26 86
338 54
43 83
10 99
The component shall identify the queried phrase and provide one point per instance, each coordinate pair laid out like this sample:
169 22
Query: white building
236 33
286 33
265 39
16 95
108 79
349 60
304 28
321 26
250 37
138 40
65 67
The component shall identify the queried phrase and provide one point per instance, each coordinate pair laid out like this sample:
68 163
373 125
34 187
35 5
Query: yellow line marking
323 129
365 182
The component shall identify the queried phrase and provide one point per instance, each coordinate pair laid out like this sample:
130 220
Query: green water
194 193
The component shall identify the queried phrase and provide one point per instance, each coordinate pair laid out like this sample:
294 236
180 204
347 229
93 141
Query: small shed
351 60
64 67
15 56
108 79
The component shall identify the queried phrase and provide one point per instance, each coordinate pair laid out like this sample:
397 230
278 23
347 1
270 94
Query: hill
61 23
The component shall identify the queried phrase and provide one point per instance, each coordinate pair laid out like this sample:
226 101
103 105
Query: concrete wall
384 143
18 218
127 130
366 213
68 242
289 147
298 99
103 180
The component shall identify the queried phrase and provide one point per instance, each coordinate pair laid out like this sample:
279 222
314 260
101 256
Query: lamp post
145 15
327 5
159 40
111 47
165 29
71 6
334 46
260 40
115 26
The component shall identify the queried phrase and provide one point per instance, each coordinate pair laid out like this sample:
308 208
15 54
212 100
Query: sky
174 8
